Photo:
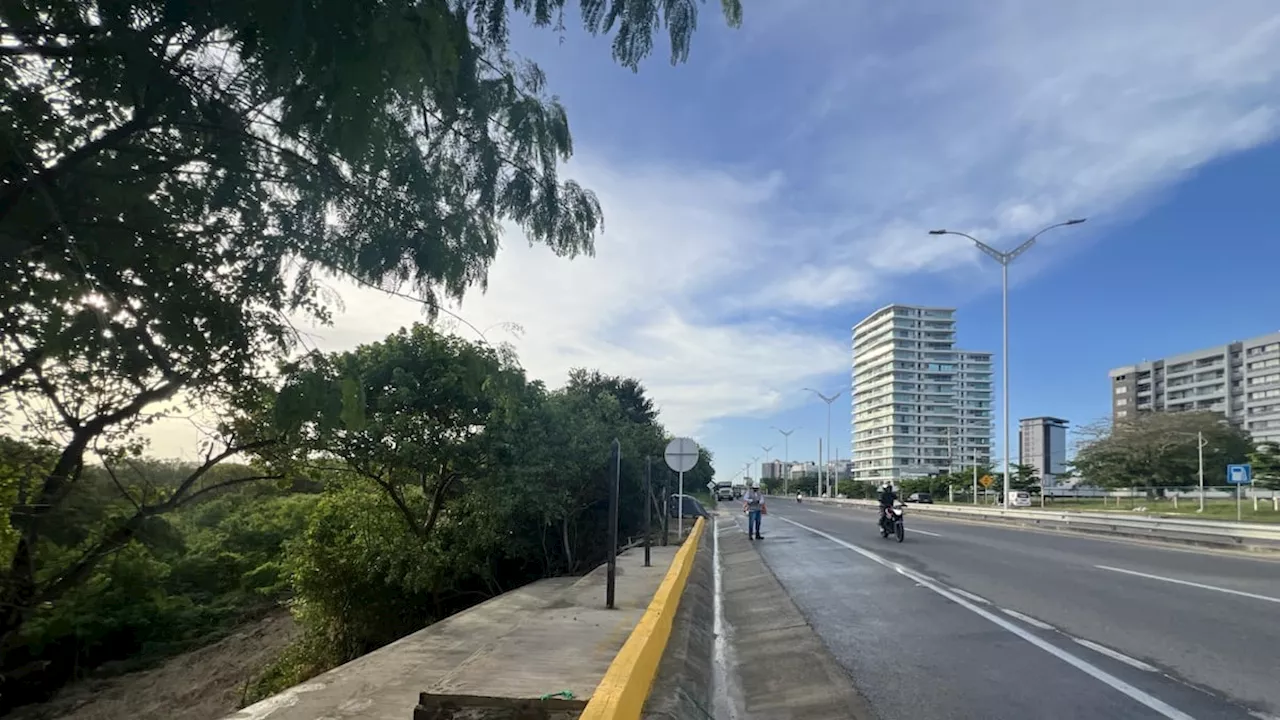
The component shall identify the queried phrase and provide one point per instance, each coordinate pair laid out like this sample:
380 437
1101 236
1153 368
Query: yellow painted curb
625 688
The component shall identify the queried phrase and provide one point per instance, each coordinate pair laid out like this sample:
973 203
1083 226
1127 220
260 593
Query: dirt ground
204 684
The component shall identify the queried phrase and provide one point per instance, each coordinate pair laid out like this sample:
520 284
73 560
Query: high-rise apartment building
1042 444
920 406
1240 380
772 470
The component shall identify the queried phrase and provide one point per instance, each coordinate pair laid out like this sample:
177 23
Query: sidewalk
546 637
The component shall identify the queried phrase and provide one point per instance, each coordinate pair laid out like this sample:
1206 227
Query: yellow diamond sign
986 481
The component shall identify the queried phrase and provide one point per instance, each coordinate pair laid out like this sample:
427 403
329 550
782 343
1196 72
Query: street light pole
1004 258
786 458
828 401
1200 456
764 457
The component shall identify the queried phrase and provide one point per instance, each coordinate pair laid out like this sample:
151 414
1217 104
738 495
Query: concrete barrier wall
625 688
1202 533
684 686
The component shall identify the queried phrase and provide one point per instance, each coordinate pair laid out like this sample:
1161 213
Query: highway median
1248 537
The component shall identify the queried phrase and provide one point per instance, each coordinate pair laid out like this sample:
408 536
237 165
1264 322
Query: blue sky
763 197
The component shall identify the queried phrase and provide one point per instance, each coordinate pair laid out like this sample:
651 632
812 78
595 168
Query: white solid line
1115 655
971 596
1188 583
925 532
1027 619
1087 668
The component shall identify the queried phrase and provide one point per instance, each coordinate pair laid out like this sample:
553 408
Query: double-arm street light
786 457
1004 258
826 471
764 457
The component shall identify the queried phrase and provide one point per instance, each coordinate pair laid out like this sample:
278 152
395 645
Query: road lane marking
1028 619
1188 583
1116 655
971 596
925 532
1080 664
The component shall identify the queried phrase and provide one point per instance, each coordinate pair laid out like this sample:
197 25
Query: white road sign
682 454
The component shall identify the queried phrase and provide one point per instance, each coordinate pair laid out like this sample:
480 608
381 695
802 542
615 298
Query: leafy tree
178 178
1025 477
409 414
1158 450
630 394
1266 465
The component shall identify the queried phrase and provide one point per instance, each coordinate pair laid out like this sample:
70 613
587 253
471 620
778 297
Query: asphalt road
968 620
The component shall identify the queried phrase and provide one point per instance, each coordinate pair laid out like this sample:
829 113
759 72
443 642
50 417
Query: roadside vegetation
180 185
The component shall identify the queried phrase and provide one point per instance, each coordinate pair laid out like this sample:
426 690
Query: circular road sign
682 454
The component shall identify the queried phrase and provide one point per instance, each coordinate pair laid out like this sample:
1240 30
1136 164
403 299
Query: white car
1019 498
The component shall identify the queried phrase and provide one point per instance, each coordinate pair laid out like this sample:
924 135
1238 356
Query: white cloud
677 247
993 117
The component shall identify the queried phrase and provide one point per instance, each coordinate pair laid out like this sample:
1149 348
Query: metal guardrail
1252 536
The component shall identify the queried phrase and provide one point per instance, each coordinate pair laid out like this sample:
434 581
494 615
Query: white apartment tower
1240 380
920 406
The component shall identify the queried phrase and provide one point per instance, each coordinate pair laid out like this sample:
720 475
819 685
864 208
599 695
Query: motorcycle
798 496
891 521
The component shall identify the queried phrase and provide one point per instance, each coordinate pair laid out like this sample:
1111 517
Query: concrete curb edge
622 693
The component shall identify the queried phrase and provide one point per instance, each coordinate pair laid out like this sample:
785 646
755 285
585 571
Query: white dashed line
1027 619
1116 655
1084 666
971 596
1188 583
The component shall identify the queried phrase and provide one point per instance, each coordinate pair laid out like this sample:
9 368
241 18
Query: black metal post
648 506
666 512
613 525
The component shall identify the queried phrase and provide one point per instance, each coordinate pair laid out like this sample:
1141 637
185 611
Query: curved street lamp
1004 258
786 457
823 469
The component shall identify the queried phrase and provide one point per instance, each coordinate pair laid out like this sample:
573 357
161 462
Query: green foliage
178 179
184 580
1266 465
1158 450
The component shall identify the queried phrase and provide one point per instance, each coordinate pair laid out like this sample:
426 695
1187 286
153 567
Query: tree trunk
564 539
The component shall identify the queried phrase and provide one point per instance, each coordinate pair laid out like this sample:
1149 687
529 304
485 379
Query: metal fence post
648 506
611 579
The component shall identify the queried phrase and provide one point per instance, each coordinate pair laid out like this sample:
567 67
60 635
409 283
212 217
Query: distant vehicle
724 491
1019 498
739 490
692 508
920 497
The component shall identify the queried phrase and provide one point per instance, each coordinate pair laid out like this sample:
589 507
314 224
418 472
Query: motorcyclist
888 498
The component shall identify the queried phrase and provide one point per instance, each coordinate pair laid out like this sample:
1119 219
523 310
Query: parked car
920 497
1020 498
692 508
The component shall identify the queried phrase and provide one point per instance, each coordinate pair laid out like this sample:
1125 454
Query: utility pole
1200 443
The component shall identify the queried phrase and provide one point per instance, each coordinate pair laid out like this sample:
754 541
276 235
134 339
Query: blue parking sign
1240 474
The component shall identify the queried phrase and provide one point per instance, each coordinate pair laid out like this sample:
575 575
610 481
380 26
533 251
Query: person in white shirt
753 505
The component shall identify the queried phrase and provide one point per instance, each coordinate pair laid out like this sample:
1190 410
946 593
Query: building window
1122 389
1122 402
